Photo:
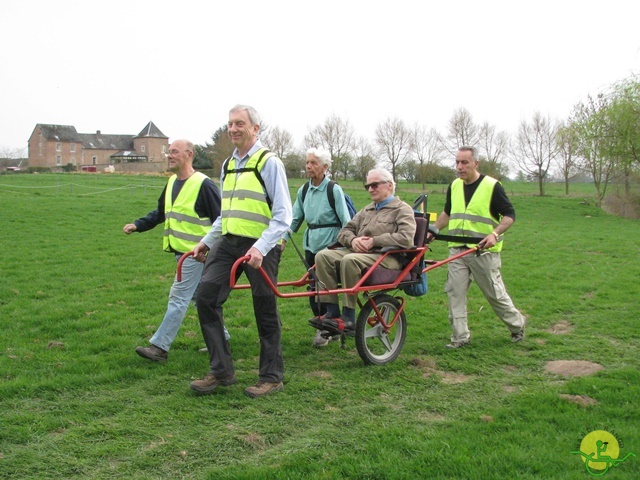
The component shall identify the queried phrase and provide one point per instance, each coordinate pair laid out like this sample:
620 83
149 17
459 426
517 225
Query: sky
114 66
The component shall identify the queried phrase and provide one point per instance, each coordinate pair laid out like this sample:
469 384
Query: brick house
55 146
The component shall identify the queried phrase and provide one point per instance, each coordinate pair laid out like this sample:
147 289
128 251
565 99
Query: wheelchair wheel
375 346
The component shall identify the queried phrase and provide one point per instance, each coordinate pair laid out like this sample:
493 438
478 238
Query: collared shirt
275 180
384 202
317 210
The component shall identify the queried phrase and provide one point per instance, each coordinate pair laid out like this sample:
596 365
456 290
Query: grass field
77 296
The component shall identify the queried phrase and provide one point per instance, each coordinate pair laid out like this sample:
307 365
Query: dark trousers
317 308
214 290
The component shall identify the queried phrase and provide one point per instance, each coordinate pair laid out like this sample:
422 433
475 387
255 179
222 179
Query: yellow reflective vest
183 228
246 207
473 220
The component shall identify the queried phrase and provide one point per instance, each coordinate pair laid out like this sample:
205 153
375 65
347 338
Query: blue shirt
317 211
275 180
384 202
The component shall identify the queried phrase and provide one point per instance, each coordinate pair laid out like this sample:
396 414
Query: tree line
600 140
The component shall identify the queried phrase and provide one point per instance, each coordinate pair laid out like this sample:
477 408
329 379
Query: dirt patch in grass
319 374
561 328
582 400
573 368
429 367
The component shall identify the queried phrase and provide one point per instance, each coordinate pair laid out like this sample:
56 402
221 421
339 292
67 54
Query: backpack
332 202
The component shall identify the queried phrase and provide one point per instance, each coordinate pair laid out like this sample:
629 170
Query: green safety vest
246 207
183 228
473 220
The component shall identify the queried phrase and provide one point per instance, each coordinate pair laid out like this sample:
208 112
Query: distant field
77 295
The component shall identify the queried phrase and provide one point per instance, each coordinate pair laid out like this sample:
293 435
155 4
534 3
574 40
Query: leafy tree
214 153
201 159
294 165
624 120
590 122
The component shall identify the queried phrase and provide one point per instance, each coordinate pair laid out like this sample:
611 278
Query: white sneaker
320 341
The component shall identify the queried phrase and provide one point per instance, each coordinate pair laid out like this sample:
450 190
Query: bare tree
364 159
427 149
567 161
462 132
493 145
337 136
279 141
395 142
536 147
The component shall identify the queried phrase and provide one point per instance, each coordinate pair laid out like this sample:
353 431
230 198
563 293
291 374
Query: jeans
180 295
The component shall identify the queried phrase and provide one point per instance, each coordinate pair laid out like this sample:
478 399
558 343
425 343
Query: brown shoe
153 353
261 389
210 382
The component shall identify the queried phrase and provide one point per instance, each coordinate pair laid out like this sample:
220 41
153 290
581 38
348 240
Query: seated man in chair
387 221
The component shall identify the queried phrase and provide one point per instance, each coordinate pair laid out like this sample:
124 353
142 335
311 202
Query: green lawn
78 295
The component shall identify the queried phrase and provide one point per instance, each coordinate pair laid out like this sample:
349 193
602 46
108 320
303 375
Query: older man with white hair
386 221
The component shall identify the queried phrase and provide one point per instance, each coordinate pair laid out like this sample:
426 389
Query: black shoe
153 353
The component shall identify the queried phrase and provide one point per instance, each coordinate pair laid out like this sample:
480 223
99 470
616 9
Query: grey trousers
484 269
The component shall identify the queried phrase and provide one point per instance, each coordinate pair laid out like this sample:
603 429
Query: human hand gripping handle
432 231
488 241
255 259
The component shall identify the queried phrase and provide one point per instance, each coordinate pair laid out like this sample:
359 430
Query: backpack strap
256 172
332 204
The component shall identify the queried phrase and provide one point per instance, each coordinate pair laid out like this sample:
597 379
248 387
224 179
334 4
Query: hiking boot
210 382
519 336
458 344
323 338
261 389
153 353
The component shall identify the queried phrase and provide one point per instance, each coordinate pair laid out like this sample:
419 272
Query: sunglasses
373 185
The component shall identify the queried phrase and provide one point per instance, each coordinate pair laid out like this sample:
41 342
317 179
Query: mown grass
77 296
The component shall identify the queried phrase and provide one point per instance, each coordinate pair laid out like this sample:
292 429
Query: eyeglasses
373 185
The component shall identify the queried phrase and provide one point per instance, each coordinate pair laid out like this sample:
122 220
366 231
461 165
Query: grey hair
473 150
323 155
254 116
385 175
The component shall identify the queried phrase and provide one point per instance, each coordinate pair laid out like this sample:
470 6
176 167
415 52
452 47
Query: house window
164 149
73 160
58 147
94 160
72 147
143 148
58 159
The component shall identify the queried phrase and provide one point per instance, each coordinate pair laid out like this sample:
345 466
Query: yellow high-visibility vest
473 220
183 227
246 207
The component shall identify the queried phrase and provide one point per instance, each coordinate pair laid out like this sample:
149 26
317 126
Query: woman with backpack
323 204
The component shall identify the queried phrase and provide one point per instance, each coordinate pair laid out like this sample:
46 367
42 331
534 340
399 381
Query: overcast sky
115 65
